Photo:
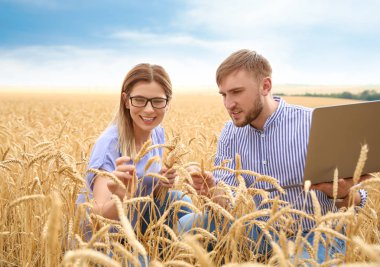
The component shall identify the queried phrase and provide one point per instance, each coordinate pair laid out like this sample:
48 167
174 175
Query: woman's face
148 117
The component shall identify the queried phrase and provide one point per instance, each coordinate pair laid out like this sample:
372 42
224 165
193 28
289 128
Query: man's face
241 97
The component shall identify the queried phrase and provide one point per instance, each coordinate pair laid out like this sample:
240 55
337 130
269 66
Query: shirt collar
276 113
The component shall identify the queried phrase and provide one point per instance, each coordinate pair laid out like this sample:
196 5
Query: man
271 137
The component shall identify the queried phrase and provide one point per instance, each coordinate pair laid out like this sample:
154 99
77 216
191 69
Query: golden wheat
44 149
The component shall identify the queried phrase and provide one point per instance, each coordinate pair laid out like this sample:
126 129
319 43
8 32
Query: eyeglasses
156 102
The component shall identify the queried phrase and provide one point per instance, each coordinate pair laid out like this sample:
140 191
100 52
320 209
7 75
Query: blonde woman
144 99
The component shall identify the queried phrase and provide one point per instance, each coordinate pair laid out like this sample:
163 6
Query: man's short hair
244 59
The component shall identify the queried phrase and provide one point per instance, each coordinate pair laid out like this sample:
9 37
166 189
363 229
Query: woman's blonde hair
247 60
140 73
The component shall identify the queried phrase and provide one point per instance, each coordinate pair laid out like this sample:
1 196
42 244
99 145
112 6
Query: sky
93 43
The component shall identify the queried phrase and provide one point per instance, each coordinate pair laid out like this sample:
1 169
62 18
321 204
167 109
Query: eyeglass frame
148 100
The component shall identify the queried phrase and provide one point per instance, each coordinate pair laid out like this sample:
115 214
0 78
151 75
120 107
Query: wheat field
45 143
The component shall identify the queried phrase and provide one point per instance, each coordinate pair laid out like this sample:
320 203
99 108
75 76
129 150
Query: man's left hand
344 186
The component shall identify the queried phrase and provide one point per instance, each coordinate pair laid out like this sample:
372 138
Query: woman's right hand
125 173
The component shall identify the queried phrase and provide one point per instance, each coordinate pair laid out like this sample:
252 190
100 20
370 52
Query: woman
145 95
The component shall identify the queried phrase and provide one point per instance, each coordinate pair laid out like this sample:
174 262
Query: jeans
260 242
159 209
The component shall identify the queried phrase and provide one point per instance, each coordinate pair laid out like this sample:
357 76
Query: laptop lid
336 136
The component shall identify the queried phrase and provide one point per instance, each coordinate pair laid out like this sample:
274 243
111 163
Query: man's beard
253 113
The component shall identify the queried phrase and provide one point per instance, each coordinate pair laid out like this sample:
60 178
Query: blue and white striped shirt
279 150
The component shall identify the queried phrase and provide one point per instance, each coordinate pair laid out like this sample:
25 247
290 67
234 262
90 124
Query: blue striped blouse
279 150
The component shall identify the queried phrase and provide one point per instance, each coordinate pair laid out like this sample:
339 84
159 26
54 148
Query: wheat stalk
88 255
335 185
278 256
220 210
108 175
98 235
128 256
53 229
25 199
199 252
127 227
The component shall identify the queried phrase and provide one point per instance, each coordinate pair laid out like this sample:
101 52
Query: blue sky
90 44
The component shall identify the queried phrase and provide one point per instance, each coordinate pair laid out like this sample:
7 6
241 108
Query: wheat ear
199 252
127 227
335 185
26 198
98 234
142 151
128 255
109 175
360 164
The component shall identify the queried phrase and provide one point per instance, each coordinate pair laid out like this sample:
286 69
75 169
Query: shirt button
262 135
264 162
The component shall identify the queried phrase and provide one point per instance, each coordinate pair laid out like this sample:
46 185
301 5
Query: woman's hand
126 174
170 174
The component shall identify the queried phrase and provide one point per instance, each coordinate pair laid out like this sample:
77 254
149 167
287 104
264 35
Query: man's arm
343 190
202 182
205 184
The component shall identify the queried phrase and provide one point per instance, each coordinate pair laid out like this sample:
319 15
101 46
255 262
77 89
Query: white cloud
272 16
216 49
72 66
60 65
155 39
306 42
321 42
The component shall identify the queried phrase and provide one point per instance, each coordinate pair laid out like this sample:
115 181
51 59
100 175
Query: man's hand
202 182
344 186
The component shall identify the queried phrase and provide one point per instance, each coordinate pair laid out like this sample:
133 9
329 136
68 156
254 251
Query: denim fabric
160 208
260 242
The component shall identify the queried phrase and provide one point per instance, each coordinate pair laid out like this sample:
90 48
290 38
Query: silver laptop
336 136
